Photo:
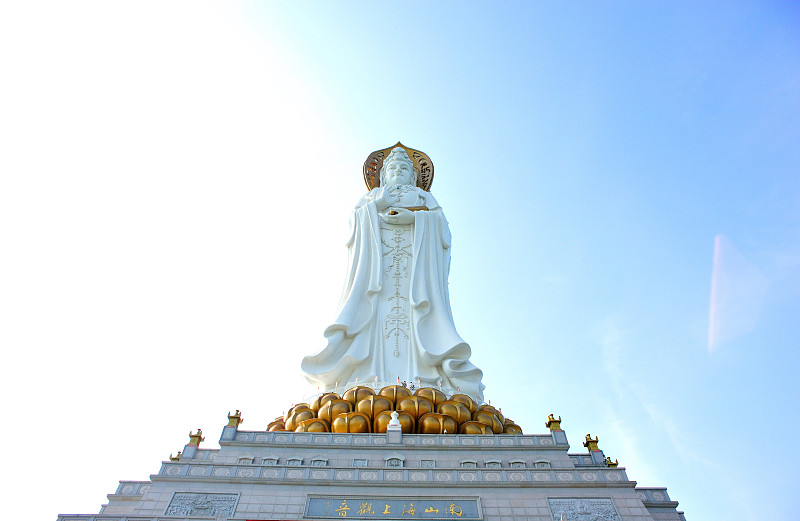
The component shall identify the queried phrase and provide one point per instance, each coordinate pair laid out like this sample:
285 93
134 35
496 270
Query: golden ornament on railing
492 410
590 443
298 414
356 394
313 425
456 410
435 423
235 419
322 399
434 395
383 418
394 392
351 422
466 400
553 424
373 405
489 419
416 406
334 408
471 427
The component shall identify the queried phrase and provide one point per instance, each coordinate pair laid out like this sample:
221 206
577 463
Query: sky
622 182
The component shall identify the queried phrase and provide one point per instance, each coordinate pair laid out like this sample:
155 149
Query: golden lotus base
426 411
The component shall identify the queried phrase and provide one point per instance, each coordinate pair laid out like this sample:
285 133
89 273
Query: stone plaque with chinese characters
411 507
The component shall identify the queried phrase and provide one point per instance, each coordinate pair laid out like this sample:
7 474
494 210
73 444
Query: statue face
398 173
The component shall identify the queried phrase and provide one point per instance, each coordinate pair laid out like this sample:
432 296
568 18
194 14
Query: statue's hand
398 215
388 198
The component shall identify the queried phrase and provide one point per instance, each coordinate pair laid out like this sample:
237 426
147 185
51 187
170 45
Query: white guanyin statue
394 320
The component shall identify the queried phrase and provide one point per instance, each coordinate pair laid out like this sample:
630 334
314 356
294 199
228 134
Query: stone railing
418 440
290 475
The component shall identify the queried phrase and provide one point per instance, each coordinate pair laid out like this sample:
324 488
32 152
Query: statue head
398 169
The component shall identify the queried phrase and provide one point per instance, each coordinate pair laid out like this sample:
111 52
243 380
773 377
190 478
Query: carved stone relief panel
578 509
208 505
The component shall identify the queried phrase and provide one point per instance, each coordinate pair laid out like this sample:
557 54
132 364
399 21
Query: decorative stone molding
394 460
245 472
393 476
343 475
443 476
419 476
199 470
492 464
319 461
293 469
653 495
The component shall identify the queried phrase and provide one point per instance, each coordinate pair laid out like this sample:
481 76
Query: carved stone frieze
207 505
492 476
199 471
393 476
369 475
579 509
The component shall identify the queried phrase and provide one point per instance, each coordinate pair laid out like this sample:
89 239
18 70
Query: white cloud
738 289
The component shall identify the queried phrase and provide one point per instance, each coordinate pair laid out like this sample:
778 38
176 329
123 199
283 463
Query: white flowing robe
394 319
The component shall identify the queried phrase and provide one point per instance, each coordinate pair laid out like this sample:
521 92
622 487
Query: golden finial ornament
235 419
177 457
590 443
612 464
196 438
552 423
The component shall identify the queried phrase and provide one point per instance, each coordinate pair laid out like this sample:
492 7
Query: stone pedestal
258 475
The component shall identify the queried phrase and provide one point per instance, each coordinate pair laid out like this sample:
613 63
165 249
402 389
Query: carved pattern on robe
397 250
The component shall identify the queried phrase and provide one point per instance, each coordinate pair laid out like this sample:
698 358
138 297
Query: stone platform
259 475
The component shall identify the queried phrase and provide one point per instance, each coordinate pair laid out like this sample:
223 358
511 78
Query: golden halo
422 163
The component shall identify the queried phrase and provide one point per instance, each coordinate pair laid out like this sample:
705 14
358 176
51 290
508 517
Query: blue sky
622 182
